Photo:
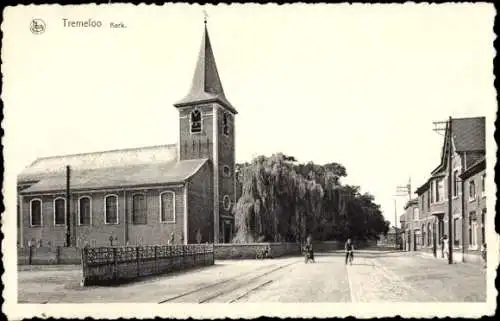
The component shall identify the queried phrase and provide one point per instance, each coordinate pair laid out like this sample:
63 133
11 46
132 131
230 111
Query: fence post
156 260
58 255
137 260
84 267
30 254
115 264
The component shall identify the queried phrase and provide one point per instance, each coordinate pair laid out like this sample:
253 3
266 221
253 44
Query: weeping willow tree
281 200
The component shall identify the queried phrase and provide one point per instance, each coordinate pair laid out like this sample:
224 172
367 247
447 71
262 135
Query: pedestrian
441 242
445 247
484 253
349 248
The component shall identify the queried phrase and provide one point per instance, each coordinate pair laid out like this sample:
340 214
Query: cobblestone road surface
374 276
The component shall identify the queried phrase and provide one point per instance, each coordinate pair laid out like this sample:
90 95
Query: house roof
468 135
423 188
117 168
411 202
206 85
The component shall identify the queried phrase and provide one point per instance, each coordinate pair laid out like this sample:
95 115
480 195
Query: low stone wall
48 255
250 250
328 246
111 265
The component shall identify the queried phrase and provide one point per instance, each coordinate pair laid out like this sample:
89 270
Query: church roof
109 169
206 85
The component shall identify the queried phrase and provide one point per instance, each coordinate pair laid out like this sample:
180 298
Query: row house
467 168
410 226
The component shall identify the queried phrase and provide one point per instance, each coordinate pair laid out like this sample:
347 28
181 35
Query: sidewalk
457 257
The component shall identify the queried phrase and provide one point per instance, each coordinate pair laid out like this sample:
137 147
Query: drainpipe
462 159
125 221
68 207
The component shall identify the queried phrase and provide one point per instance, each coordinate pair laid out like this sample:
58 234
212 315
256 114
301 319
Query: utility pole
395 225
448 142
402 190
68 207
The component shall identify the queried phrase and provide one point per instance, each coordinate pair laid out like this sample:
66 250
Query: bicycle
350 257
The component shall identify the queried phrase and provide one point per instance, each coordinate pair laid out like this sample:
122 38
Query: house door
434 239
473 229
441 229
228 232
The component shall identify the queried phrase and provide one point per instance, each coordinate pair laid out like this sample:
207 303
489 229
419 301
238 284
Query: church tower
206 130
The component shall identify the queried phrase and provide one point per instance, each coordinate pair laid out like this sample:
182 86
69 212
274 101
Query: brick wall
249 250
476 205
48 255
197 145
328 246
98 233
226 158
200 205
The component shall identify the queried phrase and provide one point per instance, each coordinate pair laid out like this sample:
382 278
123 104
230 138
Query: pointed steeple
206 86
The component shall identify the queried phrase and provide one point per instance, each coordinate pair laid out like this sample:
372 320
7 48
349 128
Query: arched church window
36 212
225 124
84 210
59 211
139 213
226 202
195 121
111 209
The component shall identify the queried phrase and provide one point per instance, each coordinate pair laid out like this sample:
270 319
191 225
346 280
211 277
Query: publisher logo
37 26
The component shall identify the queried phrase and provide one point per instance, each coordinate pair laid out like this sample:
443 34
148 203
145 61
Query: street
374 276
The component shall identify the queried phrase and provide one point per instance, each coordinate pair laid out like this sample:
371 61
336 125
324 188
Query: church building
182 193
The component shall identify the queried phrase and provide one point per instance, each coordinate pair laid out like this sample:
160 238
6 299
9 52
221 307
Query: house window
139 212
455 183
422 203
226 171
472 190
440 190
225 124
84 211
195 121
167 207
472 229
483 225
432 192
423 234
429 195
415 214
226 202
483 185
59 211
111 209
429 234
36 212
456 241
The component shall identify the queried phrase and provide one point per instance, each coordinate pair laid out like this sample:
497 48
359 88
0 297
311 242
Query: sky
355 84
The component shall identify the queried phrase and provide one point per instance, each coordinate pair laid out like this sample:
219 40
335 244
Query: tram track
216 290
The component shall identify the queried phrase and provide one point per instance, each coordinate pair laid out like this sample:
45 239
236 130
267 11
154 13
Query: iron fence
109 265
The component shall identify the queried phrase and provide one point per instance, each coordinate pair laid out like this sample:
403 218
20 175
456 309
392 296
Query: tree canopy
283 200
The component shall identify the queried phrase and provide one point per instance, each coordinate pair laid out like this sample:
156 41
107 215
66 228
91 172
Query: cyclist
349 248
